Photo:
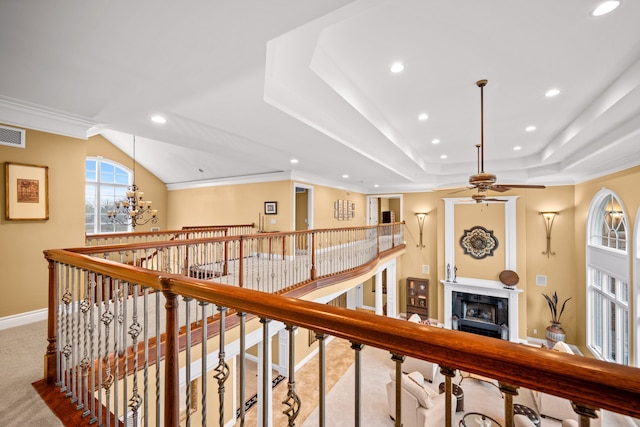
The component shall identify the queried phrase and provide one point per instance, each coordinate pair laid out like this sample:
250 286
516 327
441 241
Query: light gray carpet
22 359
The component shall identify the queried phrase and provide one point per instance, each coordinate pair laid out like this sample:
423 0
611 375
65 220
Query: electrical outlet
425 269
273 221
535 332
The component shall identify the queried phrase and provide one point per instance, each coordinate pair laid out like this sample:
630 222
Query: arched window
105 183
608 305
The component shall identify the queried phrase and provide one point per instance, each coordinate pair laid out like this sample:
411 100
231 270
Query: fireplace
484 307
480 314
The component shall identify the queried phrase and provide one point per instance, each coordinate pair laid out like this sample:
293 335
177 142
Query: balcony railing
115 311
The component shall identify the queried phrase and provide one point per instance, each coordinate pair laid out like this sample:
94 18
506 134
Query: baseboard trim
22 319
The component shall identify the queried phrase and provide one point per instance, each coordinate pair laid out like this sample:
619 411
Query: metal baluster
187 304
448 396
94 306
292 402
398 359
243 318
58 296
107 317
509 391
586 413
85 306
203 387
99 304
266 370
134 332
146 355
118 334
322 379
222 370
75 336
358 381
66 348
158 377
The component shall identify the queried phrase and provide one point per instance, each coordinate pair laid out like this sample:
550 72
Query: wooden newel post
50 366
171 366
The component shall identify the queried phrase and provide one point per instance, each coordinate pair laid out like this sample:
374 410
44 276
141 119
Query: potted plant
555 332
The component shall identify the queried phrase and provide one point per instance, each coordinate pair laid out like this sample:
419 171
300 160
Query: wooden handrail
601 384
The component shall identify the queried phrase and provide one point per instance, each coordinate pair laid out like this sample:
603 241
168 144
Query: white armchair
428 370
420 405
558 407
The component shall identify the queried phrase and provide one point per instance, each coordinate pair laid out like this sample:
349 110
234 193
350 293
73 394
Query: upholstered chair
421 405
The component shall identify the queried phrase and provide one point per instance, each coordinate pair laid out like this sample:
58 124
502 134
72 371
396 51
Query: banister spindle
448 374
292 402
222 370
358 381
398 359
509 392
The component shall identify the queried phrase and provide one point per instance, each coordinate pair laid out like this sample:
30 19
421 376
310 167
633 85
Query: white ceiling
246 85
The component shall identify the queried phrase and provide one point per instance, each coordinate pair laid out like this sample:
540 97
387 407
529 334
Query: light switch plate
541 280
425 269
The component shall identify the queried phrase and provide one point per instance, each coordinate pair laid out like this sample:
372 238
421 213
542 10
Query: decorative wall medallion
478 242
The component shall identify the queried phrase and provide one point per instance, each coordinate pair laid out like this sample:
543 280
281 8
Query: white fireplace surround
483 287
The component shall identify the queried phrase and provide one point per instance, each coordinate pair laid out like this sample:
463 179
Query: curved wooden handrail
581 379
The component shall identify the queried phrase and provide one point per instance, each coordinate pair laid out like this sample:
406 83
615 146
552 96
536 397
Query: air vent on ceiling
12 137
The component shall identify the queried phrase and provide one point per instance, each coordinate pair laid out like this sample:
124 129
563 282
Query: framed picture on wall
270 208
27 192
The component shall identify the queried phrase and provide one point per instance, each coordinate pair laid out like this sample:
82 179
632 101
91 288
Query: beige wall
244 203
23 269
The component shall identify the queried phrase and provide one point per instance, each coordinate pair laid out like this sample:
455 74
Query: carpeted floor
21 358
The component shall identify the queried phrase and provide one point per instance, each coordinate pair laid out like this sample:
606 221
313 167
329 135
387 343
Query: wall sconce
420 216
548 218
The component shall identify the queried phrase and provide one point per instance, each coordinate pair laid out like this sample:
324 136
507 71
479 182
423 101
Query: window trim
611 261
98 184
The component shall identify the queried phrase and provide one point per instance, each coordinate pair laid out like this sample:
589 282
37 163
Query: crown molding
17 113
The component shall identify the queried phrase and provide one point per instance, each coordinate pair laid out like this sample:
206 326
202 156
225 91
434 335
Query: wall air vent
12 137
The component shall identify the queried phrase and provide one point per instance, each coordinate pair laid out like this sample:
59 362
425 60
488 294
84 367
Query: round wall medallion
478 242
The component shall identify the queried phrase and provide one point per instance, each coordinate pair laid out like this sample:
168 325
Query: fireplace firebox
481 314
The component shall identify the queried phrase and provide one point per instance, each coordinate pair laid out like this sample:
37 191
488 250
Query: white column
265 376
379 292
392 290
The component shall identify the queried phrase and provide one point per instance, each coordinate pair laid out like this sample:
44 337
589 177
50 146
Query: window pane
90 170
611 347
625 337
597 320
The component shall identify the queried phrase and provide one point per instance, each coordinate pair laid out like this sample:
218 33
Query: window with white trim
105 183
608 305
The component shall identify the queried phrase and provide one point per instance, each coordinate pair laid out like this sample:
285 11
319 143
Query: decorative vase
554 334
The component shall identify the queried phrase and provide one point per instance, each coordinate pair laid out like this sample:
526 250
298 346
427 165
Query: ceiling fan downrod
481 84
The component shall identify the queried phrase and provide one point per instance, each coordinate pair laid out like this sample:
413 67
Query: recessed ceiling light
376 185
293 161
423 116
552 92
444 156
158 119
530 128
397 67
605 7
517 148
435 141
345 176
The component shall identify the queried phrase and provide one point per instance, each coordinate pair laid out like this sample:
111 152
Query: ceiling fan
484 181
482 198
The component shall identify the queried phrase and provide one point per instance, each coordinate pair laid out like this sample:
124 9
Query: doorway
384 208
302 213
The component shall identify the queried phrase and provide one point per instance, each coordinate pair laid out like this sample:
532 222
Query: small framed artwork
27 192
270 208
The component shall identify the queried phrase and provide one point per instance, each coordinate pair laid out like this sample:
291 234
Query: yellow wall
23 269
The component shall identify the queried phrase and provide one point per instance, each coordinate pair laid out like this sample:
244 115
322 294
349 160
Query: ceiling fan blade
494 200
506 187
454 189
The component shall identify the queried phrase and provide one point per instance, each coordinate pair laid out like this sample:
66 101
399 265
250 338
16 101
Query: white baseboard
23 318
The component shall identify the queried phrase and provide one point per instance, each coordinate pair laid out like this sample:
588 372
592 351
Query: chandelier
133 210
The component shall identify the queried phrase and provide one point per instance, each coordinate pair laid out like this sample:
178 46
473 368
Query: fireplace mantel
483 287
